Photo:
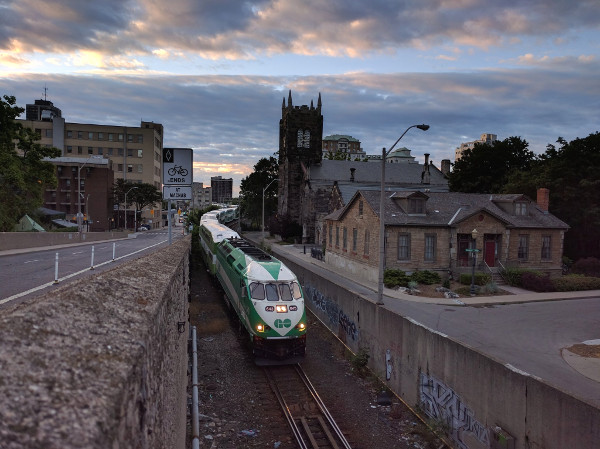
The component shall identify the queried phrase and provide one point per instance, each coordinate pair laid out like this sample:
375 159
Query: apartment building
486 138
342 145
222 189
201 196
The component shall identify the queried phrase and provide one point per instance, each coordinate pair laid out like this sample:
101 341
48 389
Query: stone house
432 231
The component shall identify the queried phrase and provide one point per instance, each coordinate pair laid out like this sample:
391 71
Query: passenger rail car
211 234
267 298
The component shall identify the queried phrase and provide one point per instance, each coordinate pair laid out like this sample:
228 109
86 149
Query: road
33 273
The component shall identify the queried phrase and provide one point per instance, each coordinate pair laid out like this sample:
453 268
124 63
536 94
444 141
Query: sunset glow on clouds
215 72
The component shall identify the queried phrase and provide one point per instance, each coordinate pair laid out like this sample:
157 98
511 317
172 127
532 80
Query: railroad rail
310 421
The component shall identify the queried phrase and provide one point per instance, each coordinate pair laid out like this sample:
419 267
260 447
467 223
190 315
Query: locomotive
263 292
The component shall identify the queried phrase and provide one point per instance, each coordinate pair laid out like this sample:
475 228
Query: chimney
445 166
352 170
543 199
426 176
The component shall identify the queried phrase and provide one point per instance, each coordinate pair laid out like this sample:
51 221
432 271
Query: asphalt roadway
529 333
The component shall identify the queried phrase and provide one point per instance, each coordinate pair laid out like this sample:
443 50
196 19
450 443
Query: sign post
177 173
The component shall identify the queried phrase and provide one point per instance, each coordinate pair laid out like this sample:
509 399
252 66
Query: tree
251 191
572 174
24 175
143 195
486 167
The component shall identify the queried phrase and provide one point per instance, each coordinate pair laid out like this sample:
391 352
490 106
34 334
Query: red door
490 253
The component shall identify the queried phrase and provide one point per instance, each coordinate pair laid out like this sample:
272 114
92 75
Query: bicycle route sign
177 167
177 193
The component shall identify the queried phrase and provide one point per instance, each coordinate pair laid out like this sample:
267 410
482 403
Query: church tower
300 146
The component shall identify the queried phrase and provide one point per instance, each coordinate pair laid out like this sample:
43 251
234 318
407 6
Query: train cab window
285 292
296 292
271 290
257 291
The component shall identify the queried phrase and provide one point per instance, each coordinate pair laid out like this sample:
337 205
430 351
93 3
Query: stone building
485 138
201 196
432 230
336 146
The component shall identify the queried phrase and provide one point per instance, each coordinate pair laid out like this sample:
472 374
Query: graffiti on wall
336 316
441 403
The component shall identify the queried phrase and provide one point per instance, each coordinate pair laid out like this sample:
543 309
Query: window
330 233
257 291
546 245
271 290
79 150
345 238
139 153
80 134
48 132
120 151
337 236
520 208
119 167
523 253
69 134
90 136
109 151
100 136
416 206
285 292
90 150
129 137
403 246
129 168
69 149
140 168
367 236
140 138
296 291
111 137
120 137
68 183
129 152
429 247
360 208
100 151
354 239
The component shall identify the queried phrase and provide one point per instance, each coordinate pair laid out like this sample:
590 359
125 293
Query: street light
126 193
384 155
79 221
474 256
263 210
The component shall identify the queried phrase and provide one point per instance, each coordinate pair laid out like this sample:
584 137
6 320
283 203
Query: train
261 290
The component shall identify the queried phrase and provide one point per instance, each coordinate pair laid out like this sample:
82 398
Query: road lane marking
49 284
31 261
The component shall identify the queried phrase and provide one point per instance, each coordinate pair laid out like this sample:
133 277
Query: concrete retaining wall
20 240
480 401
100 362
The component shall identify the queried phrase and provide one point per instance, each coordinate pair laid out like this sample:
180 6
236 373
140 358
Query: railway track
310 421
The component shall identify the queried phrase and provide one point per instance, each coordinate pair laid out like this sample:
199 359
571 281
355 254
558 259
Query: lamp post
384 155
79 221
126 193
263 210
474 256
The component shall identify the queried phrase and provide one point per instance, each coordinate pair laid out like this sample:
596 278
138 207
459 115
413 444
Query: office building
222 189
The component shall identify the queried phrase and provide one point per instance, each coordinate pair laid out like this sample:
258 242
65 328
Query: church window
303 139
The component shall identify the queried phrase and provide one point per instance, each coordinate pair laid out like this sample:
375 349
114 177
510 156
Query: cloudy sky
215 72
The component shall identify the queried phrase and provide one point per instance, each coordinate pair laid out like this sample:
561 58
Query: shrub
466 291
395 278
536 281
360 361
426 277
413 285
576 282
491 288
590 266
480 278
446 284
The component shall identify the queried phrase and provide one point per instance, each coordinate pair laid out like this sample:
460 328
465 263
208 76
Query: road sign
177 166
471 250
177 193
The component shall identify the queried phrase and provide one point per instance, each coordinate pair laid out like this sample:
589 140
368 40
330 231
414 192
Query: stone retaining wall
100 362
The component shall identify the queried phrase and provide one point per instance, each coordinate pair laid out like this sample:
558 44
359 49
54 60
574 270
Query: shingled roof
448 208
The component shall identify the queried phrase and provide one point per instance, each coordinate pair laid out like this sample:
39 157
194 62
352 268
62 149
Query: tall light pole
384 155
126 205
79 221
474 256
263 211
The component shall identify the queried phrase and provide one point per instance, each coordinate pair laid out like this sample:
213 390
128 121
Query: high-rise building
486 138
222 189
201 196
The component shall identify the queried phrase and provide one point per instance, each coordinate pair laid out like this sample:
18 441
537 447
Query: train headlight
260 327
281 308
301 326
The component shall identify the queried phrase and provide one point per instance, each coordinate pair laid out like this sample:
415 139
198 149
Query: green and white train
263 292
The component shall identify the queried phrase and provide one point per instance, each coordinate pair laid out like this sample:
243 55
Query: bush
426 277
480 278
576 282
466 291
395 278
491 288
413 285
590 266
537 282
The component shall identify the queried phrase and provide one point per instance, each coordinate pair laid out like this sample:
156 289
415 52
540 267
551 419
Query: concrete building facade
201 196
221 189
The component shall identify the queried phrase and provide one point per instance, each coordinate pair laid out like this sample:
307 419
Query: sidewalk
518 295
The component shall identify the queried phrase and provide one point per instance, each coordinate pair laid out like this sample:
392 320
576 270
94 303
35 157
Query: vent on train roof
247 248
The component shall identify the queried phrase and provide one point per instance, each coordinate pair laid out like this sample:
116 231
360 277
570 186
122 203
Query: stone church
311 187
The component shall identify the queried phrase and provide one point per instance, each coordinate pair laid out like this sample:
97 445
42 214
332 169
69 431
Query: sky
215 72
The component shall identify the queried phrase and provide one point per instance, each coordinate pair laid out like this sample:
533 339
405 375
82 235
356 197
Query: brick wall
99 362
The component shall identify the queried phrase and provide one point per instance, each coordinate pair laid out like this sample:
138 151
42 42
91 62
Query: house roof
341 136
449 208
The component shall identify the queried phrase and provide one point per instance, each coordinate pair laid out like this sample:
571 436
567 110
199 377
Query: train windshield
257 291
275 292
271 290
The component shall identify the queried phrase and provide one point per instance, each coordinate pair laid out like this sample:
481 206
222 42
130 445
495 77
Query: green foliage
446 283
466 290
337 156
480 278
395 278
426 277
252 188
490 288
360 361
486 168
512 276
536 281
24 175
413 285
576 282
284 226
589 266
142 195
